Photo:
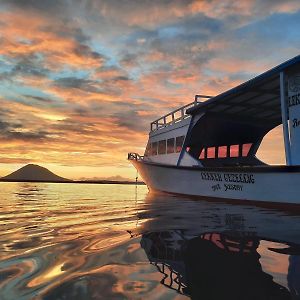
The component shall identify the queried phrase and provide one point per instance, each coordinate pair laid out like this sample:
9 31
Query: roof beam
254 120
267 92
259 107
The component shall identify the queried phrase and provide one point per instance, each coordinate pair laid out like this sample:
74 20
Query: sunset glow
80 81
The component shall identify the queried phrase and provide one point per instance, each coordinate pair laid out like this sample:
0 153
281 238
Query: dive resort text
228 177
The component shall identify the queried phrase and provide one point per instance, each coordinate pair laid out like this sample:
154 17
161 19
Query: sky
80 81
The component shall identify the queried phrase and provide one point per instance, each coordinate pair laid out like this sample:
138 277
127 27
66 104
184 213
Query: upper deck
227 129
176 115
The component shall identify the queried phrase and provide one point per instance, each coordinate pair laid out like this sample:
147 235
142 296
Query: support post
284 116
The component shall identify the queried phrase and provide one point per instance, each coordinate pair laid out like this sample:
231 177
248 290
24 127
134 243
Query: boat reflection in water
221 251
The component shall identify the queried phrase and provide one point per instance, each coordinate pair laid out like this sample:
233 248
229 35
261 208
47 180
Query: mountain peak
32 172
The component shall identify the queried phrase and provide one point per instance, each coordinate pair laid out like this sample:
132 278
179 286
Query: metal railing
135 156
176 115
172 279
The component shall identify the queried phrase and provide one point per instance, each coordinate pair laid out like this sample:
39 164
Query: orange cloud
234 65
67 104
162 13
27 34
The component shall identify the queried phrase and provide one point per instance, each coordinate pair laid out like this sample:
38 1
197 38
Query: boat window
211 152
179 143
148 150
234 151
202 154
246 149
154 148
162 147
222 151
170 145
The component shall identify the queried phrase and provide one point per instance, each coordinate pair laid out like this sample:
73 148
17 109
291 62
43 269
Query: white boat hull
274 184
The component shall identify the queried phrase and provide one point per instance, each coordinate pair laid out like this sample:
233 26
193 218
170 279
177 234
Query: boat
208 250
218 265
208 147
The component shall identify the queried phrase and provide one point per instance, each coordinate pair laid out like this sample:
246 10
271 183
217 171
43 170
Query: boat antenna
132 233
136 197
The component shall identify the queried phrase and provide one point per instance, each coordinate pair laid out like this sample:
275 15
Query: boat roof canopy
257 100
212 130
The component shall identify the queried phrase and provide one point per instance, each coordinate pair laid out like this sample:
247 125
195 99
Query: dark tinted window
211 152
179 143
222 151
234 151
148 150
170 145
246 149
202 154
154 148
162 147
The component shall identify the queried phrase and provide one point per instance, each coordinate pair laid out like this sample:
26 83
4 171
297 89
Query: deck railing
176 115
135 156
172 279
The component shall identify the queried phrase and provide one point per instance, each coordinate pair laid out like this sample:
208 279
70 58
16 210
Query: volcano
33 172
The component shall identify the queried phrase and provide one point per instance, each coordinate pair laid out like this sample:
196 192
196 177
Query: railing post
162 122
284 116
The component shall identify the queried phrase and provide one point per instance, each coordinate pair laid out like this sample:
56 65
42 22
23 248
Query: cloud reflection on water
66 241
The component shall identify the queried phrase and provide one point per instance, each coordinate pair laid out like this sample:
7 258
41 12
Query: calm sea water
77 241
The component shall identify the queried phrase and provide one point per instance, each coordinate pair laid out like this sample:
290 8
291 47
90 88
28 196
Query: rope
136 198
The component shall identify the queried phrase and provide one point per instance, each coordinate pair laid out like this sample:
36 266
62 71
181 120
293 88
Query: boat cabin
227 130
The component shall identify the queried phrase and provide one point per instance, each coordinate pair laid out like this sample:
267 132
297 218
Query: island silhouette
33 172
36 173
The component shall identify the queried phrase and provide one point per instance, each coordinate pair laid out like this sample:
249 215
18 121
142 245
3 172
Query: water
77 241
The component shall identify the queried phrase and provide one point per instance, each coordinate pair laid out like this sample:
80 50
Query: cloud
25 136
45 5
15 131
131 120
35 41
14 160
38 98
77 83
81 81
4 125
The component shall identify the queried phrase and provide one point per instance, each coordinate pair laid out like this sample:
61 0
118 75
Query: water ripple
68 241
